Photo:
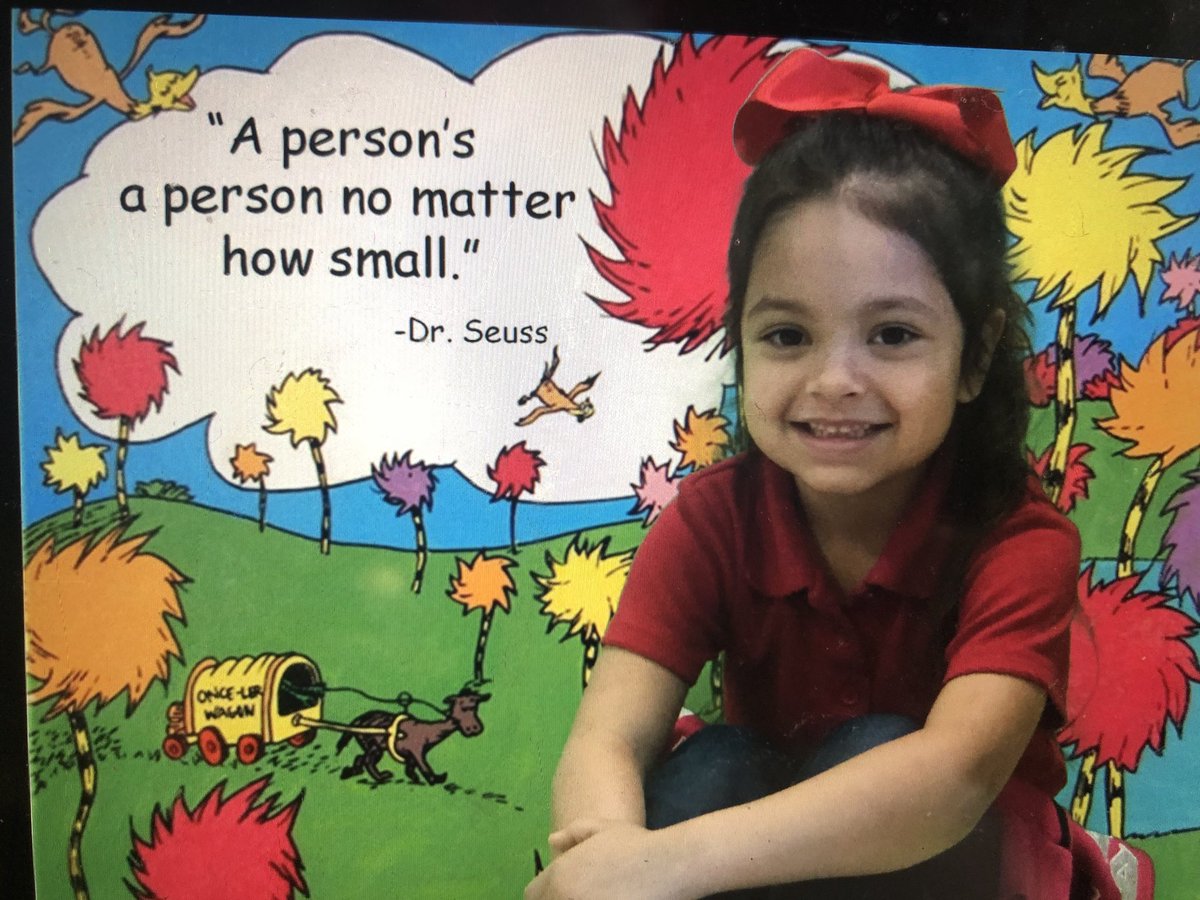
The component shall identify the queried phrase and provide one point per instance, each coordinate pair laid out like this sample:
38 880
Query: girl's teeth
840 431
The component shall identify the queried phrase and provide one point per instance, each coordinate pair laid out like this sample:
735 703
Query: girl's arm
622 725
887 809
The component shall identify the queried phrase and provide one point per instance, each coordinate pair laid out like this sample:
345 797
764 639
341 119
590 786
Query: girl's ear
971 383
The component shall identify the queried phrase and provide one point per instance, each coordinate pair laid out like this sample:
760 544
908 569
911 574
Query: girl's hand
608 859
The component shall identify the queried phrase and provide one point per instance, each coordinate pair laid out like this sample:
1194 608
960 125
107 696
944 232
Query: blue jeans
724 765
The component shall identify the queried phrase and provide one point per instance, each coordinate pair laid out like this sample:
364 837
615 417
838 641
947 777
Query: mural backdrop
356 358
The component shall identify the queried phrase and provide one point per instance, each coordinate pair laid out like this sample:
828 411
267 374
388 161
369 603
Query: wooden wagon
246 703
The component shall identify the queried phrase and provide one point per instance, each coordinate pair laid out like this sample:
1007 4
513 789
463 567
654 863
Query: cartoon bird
554 399
1143 92
74 53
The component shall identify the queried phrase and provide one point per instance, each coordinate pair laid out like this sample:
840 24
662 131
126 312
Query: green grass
352 613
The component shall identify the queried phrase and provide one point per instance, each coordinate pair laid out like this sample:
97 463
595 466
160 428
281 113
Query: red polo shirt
730 565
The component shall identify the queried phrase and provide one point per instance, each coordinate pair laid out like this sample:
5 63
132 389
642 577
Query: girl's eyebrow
901 302
769 304
890 303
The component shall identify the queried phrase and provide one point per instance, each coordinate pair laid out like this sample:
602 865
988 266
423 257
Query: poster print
355 358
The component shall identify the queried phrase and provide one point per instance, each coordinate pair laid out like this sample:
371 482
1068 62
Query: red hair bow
970 120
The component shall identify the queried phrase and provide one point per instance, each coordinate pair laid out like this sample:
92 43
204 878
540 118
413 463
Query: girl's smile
851 355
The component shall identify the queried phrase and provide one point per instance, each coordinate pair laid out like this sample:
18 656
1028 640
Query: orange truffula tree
251 465
484 584
96 626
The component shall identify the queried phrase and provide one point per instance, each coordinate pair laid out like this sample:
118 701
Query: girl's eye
894 336
785 337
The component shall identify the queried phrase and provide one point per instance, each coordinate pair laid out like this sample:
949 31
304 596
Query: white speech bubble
532 118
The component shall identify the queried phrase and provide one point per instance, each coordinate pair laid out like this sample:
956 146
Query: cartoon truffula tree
300 407
1146 415
244 850
516 471
483 584
654 489
672 153
1181 541
1082 219
96 625
408 486
70 466
701 439
1182 279
251 465
1131 665
582 591
124 376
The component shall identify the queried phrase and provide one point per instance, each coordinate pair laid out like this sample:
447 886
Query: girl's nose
835 374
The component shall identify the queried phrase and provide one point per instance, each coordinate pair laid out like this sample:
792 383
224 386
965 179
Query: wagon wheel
212 746
174 746
303 738
249 748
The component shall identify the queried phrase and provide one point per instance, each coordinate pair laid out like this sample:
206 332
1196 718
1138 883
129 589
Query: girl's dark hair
900 177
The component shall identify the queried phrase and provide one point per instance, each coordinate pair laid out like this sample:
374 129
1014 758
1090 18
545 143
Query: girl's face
851 354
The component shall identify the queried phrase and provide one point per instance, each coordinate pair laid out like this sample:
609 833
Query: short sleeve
1018 600
671 609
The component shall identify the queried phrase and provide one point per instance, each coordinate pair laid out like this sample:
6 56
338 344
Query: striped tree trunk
591 651
122 452
326 506
1085 786
262 504
422 554
77 506
1114 795
485 628
1064 402
1133 518
87 799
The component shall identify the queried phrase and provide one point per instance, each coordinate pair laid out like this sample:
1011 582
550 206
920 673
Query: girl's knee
718 767
853 738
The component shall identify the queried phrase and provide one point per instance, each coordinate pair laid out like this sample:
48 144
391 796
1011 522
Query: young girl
890 587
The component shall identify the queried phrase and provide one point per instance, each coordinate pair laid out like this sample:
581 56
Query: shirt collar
781 558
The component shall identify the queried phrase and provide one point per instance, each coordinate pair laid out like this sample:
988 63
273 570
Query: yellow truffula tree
582 591
70 466
301 407
484 584
1083 220
96 626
